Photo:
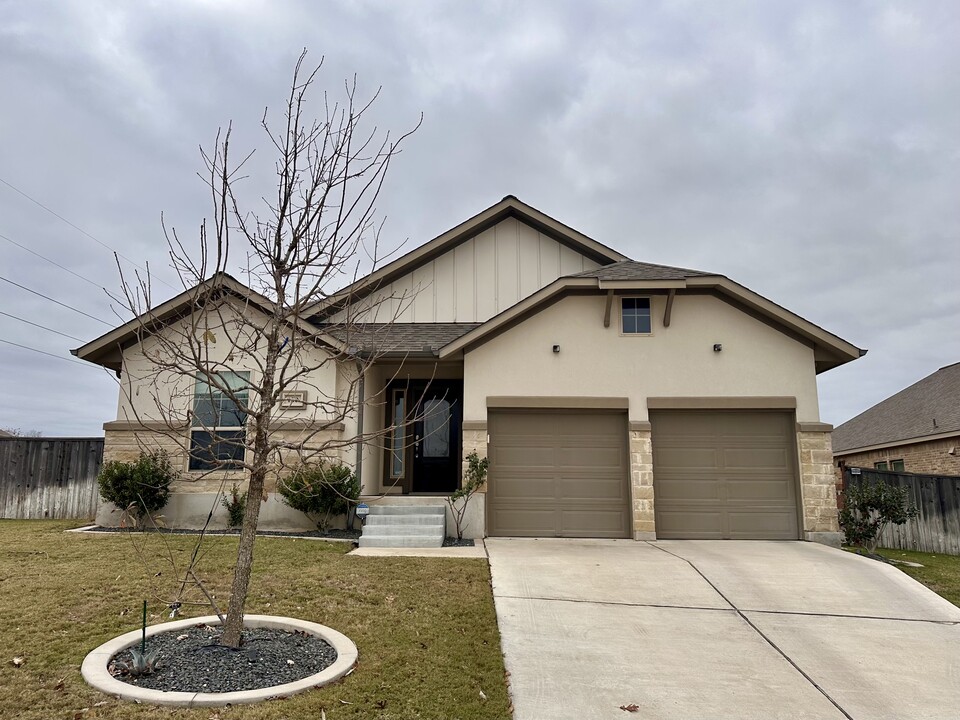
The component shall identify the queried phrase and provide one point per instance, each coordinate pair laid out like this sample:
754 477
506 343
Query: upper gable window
635 316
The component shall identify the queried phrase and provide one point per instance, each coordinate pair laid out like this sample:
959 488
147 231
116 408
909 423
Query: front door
423 447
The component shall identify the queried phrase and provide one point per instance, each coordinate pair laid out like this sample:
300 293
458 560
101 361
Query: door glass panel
436 428
399 434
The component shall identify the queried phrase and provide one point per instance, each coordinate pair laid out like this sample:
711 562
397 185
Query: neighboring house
916 431
614 398
5 434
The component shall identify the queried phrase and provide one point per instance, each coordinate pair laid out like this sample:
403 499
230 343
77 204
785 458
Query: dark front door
436 436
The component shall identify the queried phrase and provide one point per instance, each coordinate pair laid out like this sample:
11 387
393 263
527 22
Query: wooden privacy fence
937 528
52 478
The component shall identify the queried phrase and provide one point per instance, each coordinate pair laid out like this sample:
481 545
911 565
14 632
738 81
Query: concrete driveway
719 629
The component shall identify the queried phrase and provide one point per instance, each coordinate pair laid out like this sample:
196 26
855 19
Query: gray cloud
807 151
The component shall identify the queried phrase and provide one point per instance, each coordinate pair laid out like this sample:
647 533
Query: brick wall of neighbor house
927 458
641 482
817 485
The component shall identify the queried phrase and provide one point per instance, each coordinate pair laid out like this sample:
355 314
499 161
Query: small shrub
235 504
473 480
868 508
140 487
321 491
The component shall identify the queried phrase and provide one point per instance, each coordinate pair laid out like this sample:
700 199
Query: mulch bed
194 661
453 542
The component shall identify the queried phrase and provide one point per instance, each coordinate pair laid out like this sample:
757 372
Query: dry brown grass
425 627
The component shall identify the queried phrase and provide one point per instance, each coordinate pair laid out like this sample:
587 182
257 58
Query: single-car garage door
558 474
724 475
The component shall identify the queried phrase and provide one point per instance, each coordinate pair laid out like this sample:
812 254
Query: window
897 465
635 316
218 434
398 440
880 465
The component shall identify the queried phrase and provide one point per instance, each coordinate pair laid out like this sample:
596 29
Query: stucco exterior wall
677 361
479 278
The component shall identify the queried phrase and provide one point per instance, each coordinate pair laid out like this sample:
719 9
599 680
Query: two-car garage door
717 474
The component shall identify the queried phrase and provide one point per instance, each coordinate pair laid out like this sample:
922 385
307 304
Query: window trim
620 299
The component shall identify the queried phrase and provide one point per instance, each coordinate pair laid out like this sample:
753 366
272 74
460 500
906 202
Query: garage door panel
762 458
578 489
558 474
706 524
522 521
724 474
573 457
584 522
766 525
705 489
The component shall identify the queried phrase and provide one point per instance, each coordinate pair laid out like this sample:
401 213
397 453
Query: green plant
868 508
321 491
473 480
236 505
139 487
140 663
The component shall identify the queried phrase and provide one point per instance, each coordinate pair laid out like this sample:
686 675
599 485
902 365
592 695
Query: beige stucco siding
477 279
678 361
151 395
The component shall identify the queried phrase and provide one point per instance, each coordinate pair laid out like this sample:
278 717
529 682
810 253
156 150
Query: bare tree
244 380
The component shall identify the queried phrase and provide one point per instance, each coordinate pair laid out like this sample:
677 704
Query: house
614 398
917 430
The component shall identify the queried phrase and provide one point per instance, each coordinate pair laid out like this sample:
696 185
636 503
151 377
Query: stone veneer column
641 481
474 439
818 485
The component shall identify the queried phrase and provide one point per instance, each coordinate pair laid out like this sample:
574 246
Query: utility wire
53 262
44 352
81 230
42 327
47 297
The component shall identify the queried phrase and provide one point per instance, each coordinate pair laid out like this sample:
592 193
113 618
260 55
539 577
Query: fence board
52 478
936 529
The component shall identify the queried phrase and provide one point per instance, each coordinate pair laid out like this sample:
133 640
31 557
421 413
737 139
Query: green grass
425 627
940 573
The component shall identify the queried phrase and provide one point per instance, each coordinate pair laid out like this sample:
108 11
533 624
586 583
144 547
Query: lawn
425 627
940 573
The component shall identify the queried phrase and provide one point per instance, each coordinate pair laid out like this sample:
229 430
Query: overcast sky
808 150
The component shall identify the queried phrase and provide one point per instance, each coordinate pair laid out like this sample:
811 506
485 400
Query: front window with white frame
635 316
218 435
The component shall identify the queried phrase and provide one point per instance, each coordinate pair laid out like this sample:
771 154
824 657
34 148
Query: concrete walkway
699 629
477 551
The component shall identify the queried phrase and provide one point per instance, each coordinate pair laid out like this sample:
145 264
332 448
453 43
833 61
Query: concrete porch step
425 520
408 510
406 525
423 541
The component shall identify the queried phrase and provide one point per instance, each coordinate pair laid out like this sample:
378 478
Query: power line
53 262
44 352
81 230
42 327
47 297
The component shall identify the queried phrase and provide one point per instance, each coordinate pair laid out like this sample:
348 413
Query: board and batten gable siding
674 361
477 279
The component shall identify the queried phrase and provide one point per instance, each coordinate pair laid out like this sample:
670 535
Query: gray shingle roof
928 407
634 270
398 337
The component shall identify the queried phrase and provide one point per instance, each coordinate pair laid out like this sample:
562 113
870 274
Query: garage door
558 474
724 475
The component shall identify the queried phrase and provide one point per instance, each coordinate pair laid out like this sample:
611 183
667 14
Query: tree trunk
233 627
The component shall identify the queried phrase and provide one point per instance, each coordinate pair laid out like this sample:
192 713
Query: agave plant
140 663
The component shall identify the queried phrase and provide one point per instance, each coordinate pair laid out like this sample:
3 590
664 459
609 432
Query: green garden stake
143 637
